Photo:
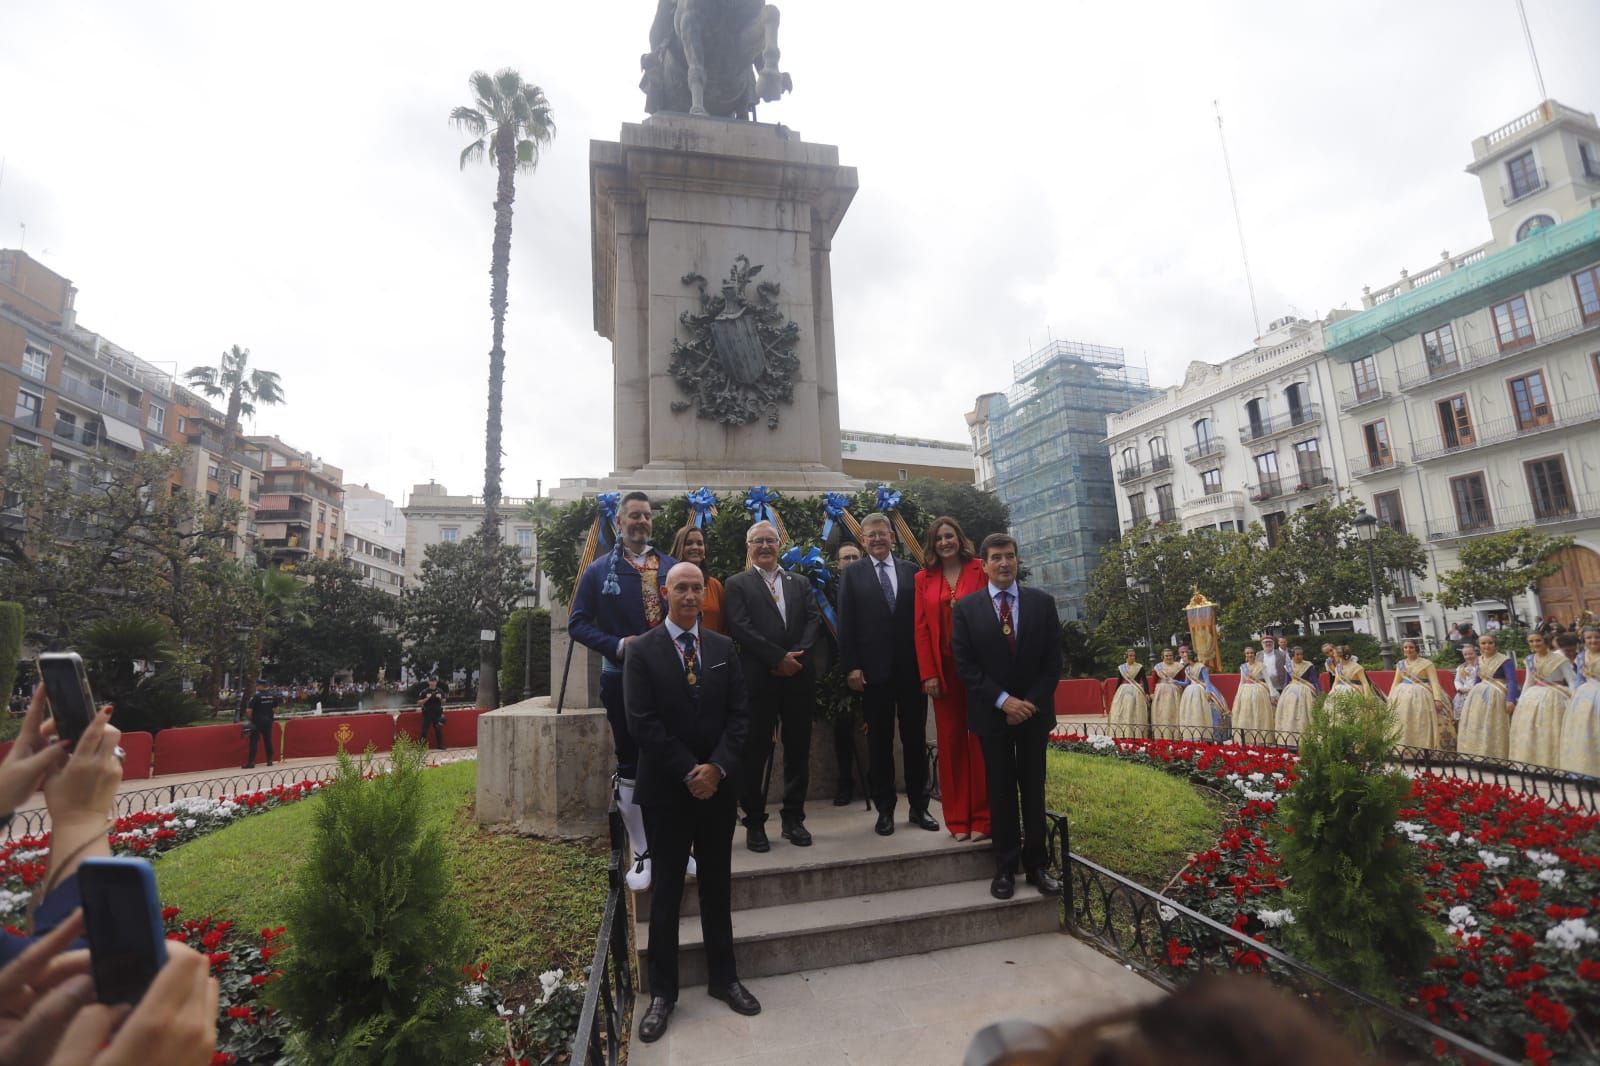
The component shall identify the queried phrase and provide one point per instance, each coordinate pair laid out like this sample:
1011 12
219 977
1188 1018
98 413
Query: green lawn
532 904
1133 819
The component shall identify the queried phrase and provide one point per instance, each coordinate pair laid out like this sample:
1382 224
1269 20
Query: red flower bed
1513 881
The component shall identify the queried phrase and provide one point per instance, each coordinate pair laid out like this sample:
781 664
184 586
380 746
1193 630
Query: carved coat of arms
739 362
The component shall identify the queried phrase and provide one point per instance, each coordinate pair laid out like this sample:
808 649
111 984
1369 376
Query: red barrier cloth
322 735
1227 684
409 723
1447 681
1080 695
136 763
1108 691
1382 680
1327 681
201 747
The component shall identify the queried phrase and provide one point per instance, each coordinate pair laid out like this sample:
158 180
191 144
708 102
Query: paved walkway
915 1009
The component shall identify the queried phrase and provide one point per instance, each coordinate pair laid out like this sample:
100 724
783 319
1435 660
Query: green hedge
515 640
10 646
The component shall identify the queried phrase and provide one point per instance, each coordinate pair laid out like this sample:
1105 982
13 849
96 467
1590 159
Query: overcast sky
284 178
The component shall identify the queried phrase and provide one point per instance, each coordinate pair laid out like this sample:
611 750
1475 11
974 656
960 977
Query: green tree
10 646
379 940
1359 907
442 612
980 513
1319 563
1500 566
511 121
343 624
525 651
1172 564
133 664
540 513
244 388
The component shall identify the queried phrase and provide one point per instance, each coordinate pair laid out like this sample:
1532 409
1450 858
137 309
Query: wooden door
1574 589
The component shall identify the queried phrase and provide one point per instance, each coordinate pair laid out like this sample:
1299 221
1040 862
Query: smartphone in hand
122 918
66 684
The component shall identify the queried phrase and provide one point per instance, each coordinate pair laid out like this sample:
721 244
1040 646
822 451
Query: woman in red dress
951 573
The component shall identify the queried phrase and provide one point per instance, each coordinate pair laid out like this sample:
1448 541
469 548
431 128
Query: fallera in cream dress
1414 701
1252 706
1541 712
1130 709
1297 699
1484 728
1580 729
1164 704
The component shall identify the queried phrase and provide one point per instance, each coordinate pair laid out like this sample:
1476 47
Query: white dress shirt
994 601
775 590
879 566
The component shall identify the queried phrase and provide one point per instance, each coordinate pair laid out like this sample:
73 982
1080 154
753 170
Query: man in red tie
1007 645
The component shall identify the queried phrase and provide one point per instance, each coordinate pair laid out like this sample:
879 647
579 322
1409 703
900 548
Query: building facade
433 516
1045 439
890 457
300 511
375 538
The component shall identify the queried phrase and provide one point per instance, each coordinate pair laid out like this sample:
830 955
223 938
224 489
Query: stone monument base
543 773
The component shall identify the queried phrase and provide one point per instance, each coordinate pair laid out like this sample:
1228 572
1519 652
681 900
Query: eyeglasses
765 540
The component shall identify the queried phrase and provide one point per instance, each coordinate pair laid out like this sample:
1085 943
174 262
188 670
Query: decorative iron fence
608 1001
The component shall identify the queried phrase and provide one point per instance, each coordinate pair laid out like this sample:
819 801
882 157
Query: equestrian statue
713 57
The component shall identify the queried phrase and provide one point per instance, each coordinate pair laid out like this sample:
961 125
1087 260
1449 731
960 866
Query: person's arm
731 745
742 627
80 798
35 755
927 650
649 731
582 623
969 668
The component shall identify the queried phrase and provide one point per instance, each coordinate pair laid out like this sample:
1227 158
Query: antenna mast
1238 222
1533 56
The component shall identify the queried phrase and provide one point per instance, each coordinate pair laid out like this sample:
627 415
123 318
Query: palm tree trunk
499 273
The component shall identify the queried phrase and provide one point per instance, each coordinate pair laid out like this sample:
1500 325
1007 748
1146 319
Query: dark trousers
844 751
787 704
885 705
1015 761
674 828
621 740
434 722
260 731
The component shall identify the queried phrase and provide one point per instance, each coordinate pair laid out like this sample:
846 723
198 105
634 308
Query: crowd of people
706 678
1544 711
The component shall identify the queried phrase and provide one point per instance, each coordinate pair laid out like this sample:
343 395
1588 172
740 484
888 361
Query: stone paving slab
914 1009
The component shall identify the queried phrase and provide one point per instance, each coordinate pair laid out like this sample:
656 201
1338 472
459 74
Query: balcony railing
1350 399
83 436
1564 508
1129 474
1577 412
1209 449
213 444
1227 499
1366 464
294 517
99 399
1514 191
1266 489
1315 481
1270 426
1548 329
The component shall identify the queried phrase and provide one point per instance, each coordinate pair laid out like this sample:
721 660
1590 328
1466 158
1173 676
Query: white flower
1253 794
1461 919
1552 876
1101 742
549 981
1453 838
1571 935
190 823
1274 919
1413 832
1543 858
1166 912
1493 861
1258 777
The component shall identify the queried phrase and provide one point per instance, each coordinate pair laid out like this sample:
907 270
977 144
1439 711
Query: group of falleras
701 677
1547 716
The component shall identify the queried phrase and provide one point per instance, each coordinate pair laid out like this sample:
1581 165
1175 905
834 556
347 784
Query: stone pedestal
674 195
545 773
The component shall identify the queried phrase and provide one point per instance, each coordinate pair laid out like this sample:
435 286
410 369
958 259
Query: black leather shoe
844 797
736 996
797 835
885 826
1047 885
1002 886
923 820
655 1020
755 838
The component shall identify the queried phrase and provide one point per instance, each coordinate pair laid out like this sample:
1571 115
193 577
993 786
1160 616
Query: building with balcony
1470 392
1045 439
300 510
982 444
433 516
375 538
890 457
1247 440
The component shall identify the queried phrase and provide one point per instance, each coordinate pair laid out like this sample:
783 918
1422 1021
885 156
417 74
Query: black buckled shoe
655 1020
755 838
923 820
1044 882
885 826
1003 886
736 996
797 834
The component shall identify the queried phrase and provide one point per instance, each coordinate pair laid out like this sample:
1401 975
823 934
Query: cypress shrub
514 641
379 945
1353 885
10 646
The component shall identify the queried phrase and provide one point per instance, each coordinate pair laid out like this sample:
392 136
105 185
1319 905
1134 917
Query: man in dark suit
1007 644
878 653
688 711
773 617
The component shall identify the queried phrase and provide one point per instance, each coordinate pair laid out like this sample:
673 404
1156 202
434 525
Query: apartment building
891 457
299 514
374 538
433 516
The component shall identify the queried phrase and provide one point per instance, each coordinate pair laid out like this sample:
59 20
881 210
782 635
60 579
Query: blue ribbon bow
887 501
759 502
812 566
834 506
703 504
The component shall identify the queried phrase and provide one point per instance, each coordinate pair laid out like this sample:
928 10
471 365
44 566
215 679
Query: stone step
817 934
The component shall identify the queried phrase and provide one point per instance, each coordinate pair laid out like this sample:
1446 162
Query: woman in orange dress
951 573
689 546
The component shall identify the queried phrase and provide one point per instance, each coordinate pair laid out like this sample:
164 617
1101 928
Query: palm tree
511 121
244 388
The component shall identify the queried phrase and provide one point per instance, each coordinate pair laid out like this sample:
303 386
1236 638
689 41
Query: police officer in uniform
263 708
433 712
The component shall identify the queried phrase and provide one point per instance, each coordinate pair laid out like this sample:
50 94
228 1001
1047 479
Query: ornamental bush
379 943
1354 886
515 640
10 646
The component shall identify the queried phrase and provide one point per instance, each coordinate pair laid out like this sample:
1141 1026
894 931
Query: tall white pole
1533 56
1238 222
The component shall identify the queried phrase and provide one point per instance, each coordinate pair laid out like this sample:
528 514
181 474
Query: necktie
1008 630
888 589
691 662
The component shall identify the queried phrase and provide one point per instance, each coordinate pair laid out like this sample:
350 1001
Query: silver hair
877 516
750 534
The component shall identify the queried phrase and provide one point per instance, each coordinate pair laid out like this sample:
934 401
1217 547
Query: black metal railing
1204 450
1162 939
608 1000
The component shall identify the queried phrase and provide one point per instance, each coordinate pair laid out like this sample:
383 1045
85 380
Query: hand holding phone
66 683
122 919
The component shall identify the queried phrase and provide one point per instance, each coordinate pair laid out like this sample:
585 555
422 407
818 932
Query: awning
122 433
273 530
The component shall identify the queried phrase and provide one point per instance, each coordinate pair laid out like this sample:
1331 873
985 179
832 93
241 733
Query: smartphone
122 916
67 686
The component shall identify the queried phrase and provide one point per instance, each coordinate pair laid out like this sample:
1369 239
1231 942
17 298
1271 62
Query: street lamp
529 593
1143 585
1367 529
